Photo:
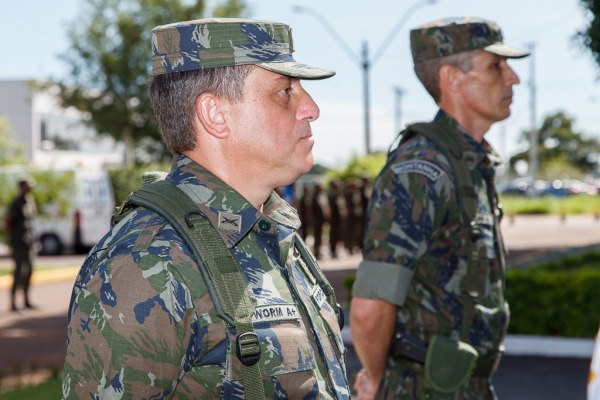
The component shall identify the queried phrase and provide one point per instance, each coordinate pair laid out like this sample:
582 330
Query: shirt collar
227 210
474 152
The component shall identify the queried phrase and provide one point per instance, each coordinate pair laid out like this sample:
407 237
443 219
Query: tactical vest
467 204
218 267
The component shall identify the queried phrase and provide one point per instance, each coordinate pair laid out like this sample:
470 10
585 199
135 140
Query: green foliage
359 166
53 191
589 37
576 204
557 298
11 151
126 180
562 152
109 61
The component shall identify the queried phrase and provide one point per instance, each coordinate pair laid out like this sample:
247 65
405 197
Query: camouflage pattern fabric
227 42
415 255
142 324
450 36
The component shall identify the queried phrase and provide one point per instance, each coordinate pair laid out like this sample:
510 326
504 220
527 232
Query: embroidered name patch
275 312
318 297
427 168
485 218
230 222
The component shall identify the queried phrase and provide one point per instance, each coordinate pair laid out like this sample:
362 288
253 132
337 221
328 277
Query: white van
84 215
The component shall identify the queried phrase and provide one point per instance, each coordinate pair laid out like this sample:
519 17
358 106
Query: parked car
523 187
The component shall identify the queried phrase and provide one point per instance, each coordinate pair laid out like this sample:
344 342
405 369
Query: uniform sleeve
130 325
400 222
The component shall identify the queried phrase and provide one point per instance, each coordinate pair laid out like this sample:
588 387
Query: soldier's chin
310 162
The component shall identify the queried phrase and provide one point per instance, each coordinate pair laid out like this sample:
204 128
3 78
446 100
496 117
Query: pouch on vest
448 365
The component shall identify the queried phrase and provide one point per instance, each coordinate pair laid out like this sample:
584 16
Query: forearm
372 323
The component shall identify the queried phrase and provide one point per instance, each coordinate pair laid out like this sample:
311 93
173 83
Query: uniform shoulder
420 154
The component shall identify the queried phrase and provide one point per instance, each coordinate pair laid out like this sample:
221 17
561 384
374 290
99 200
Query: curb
45 275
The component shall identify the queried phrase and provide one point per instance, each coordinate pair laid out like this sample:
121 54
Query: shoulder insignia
230 222
427 168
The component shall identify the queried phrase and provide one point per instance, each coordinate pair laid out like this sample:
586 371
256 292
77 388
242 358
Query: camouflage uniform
421 251
142 316
415 256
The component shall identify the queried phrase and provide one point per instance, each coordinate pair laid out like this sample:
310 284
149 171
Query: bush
557 298
126 180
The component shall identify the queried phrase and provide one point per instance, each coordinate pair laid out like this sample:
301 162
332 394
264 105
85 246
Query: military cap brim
503 50
297 70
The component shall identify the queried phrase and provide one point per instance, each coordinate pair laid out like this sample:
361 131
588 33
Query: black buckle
248 348
340 316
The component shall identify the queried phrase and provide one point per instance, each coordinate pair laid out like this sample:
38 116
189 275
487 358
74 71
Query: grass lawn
50 389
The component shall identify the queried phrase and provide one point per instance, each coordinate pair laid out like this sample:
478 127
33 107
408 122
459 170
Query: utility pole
533 137
365 62
398 125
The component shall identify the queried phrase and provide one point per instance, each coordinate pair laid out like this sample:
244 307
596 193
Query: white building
54 136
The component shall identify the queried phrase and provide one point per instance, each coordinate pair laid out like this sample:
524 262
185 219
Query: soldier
20 237
305 211
338 222
355 225
428 316
321 216
143 320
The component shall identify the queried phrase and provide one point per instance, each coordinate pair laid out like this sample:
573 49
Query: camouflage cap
449 36
226 42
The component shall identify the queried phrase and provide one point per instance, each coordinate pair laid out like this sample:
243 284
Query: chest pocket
486 241
284 345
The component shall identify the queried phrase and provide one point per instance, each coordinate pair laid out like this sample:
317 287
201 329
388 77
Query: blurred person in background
20 238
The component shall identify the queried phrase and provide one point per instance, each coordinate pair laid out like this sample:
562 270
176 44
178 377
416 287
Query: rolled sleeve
382 281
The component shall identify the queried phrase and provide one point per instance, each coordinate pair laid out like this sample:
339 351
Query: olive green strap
320 277
219 269
467 204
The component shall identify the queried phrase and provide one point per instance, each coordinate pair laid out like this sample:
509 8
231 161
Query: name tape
275 312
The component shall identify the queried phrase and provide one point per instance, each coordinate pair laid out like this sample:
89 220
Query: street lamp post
533 137
399 92
364 61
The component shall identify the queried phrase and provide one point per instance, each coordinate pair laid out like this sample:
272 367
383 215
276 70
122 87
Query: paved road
32 344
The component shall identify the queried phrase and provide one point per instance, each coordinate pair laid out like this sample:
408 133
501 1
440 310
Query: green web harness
467 204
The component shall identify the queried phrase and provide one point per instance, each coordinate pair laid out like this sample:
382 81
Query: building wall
16 106
53 135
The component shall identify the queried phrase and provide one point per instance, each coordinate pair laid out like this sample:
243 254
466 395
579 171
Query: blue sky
33 34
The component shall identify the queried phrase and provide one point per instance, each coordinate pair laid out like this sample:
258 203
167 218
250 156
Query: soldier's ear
450 78
211 114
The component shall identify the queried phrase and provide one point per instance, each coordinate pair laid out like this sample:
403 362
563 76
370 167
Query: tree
11 151
109 61
589 37
359 166
559 145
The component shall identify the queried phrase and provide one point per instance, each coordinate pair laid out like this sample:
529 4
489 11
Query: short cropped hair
173 98
428 71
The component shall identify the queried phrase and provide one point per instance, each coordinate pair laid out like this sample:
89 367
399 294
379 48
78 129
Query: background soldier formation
338 211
